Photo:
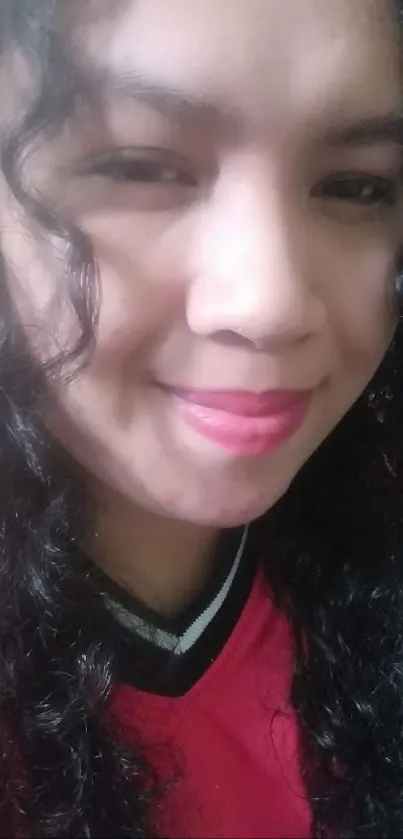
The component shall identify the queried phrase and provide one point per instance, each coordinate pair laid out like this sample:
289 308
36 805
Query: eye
123 168
364 190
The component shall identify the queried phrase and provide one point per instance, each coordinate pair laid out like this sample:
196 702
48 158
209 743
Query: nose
249 268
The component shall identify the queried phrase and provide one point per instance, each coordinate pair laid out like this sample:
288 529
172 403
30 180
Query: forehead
260 58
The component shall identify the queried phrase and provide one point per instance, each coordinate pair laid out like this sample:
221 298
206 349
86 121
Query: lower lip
243 435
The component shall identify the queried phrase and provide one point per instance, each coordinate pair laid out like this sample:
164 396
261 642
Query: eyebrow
167 99
367 131
172 101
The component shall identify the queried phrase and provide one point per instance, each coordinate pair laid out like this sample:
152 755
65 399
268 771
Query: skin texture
229 267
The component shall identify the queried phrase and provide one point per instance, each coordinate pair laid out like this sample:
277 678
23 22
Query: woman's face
238 174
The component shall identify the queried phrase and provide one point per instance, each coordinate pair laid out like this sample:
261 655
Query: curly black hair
337 539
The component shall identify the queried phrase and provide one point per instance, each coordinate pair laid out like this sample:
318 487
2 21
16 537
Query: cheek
361 306
142 287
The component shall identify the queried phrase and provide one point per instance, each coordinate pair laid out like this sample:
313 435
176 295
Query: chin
227 512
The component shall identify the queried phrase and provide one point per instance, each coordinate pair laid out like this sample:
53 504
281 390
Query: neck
164 562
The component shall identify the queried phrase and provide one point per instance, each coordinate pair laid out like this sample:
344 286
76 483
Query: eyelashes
167 172
363 190
144 171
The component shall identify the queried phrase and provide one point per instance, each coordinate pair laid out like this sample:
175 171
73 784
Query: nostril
232 338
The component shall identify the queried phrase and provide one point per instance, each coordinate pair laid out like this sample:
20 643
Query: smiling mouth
243 422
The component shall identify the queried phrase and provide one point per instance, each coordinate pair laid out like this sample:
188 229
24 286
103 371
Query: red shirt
228 748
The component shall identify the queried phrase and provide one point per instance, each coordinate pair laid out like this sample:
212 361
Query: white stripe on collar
178 644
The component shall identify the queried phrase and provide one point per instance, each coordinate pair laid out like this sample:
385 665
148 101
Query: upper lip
243 402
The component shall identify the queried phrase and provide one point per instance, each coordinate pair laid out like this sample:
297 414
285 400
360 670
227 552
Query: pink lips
243 422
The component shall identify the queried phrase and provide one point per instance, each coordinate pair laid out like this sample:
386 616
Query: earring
399 285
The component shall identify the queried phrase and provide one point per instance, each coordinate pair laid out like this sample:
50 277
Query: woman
201 555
